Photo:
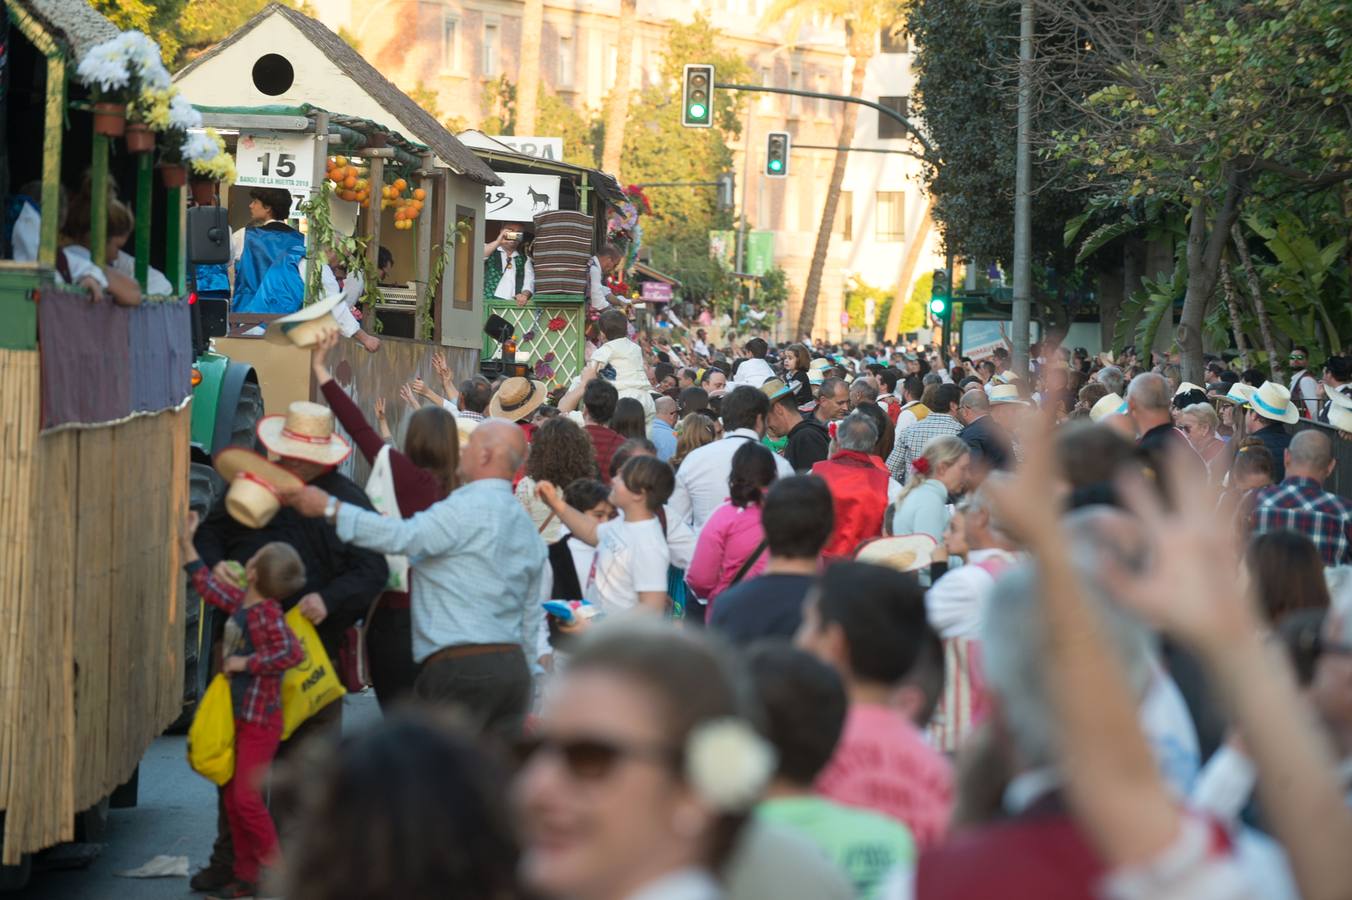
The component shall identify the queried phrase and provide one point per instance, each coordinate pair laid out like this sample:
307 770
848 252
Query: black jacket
1276 439
987 442
809 443
347 577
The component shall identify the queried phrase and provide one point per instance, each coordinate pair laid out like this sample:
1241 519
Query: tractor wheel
247 413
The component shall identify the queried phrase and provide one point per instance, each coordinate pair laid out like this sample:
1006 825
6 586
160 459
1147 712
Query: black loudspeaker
213 312
498 328
396 322
208 235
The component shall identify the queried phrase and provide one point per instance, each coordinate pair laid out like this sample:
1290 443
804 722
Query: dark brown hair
561 453
432 442
801 358
278 571
649 476
753 471
629 420
1288 574
613 324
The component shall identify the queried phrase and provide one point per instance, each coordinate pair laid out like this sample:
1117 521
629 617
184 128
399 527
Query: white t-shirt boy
631 558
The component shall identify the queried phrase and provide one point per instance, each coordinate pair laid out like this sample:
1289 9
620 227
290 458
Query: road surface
175 816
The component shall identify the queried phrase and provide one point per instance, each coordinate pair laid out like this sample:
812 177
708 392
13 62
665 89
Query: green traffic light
938 306
697 110
776 165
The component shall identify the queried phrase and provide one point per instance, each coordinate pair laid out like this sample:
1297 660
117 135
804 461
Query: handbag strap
750 561
545 524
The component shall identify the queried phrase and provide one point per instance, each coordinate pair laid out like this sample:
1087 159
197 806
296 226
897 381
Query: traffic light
941 296
697 96
777 154
727 190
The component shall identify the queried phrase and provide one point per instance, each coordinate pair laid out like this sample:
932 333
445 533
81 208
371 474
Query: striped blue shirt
477 561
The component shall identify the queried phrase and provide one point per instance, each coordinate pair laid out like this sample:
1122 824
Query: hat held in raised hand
256 486
306 433
307 326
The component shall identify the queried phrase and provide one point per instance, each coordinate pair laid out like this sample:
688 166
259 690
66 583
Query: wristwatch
331 510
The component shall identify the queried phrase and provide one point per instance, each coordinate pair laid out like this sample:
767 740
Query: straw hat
463 428
1340 417
306 327
305 433
819 363
1007 393
1272 401
1106 358
904 552
1108 404
774 388
256 486
1338 399
517 398
1239 394
1186 387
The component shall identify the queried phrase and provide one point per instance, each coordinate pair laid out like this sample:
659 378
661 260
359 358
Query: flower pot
203 192
110 119
173 175
140 139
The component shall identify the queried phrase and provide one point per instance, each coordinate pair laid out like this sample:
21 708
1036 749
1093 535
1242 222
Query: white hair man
861 487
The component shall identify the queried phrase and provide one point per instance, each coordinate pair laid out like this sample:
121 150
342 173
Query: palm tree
528 78
618 110
864 20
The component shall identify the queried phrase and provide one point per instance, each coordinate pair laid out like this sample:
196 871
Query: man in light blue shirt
663 430
477 561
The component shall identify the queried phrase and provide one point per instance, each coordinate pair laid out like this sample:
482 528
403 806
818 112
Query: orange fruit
340 160
420 194
350 182
400 184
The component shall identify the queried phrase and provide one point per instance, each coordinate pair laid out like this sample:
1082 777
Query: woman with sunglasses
641 771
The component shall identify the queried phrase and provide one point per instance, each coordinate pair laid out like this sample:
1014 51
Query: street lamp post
1023 177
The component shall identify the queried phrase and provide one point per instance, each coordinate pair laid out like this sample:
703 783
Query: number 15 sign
275 159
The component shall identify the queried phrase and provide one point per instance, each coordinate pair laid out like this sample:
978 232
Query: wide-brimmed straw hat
1108 404
256 486
306 432
1272 401
774 388
1007 393
305 327
903 552
463 429
517 398
1239 394
1338 399
1340 417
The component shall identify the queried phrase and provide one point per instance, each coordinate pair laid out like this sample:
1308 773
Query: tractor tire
15 878
205 487
247 413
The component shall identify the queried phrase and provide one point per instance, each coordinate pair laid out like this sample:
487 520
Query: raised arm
582 526
347 412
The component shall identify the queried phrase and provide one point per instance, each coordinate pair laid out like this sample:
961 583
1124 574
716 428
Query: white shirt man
507 286
702 479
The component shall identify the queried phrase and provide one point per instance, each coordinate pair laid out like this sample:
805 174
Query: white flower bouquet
123 68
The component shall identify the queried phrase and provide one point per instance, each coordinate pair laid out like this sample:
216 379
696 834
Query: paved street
176 816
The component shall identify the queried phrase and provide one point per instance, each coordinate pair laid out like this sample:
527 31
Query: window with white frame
823 105
492 49
450 41
796 84
890 216
767 101
567 60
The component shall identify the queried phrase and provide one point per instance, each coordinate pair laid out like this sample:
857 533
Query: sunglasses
1296 356
589 758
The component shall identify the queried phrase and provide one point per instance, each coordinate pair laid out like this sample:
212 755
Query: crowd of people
807 622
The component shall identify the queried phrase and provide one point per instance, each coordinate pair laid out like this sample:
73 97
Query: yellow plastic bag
211 737
312 684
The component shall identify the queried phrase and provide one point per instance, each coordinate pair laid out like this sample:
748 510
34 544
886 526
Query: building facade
456 50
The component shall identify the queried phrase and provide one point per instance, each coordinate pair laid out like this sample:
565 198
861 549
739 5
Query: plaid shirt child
1302 505
275 647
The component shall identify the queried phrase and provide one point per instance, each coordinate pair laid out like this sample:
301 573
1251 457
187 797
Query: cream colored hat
1239 394
305 327
1272 401
1007 393
1108 404
1340 417
517 398
1188 386
306 432
904 552
256 486
464 428
1338 399
774 388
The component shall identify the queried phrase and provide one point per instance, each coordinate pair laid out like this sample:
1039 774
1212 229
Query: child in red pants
258 648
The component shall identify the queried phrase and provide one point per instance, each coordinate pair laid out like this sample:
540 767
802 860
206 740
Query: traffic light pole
892 114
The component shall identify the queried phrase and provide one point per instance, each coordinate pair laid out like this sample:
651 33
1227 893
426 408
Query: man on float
508 271
267 257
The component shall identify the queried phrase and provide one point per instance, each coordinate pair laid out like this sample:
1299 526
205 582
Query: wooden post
422 267
376 180
145 174
53 126
98 201
316 182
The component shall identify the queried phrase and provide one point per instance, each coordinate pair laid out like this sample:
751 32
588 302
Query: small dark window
895 39
889 128
273 75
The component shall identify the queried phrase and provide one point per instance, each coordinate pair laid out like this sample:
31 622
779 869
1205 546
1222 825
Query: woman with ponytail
940 470
731 544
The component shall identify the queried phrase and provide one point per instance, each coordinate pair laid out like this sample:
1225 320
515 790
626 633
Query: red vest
1039 855
858 483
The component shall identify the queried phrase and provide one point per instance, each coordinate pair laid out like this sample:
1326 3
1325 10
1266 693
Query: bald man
476 581
663 429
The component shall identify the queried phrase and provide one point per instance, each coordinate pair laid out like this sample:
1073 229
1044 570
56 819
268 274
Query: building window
491 49
823 106
845 216
450 42
890 216
462 296
895 39
767 101
796 84
567 60
889 128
